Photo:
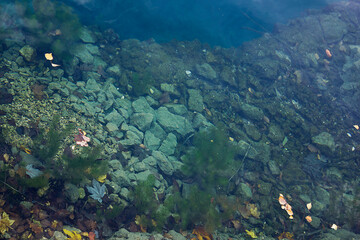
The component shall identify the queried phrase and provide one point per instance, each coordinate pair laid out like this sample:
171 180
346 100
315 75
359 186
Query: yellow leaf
251 233
49 56
67 232
73 235
5 223
101 178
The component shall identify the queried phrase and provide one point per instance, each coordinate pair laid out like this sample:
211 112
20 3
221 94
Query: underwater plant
84 165
62 164
141 83
151 215
48 143
211 160
51 25
144 196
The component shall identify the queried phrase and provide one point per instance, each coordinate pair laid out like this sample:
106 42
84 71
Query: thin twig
242 163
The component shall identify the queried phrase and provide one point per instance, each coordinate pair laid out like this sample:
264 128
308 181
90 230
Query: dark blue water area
225 23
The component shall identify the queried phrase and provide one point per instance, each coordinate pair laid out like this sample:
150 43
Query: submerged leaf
5 223
73 235
97 191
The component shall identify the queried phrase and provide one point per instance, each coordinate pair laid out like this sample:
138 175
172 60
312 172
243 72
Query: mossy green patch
141 83
211 161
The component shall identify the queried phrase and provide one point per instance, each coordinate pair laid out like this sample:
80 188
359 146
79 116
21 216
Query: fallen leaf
49 56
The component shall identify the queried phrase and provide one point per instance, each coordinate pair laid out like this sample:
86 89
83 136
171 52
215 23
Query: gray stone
322 195
228 75
98 62
195 101
150 160
142 106
324 141
133 136
139 167
28 52
170 88
93 49
71 192
252 112
120 178
86 36
346 234
81 51
115 164
115 70
176 164
142 121
90 74
114 91
334 174
115 118
199 121
91 108
92 86
142 176
171 122
332 27
255 150
158 131
125 193
177 109
245 191
168 146
176 235
276 134
264 188
59 236
26 204
164 164
64 91
273 167
150 141
252 131
112 127
58 73
318 207
206 71
315 223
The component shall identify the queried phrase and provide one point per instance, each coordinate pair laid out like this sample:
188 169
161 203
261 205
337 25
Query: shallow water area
105 137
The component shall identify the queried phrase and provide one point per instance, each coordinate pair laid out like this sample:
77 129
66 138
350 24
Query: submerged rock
206 71
195 101
142 121
28 52
252 112
171 122
325 142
